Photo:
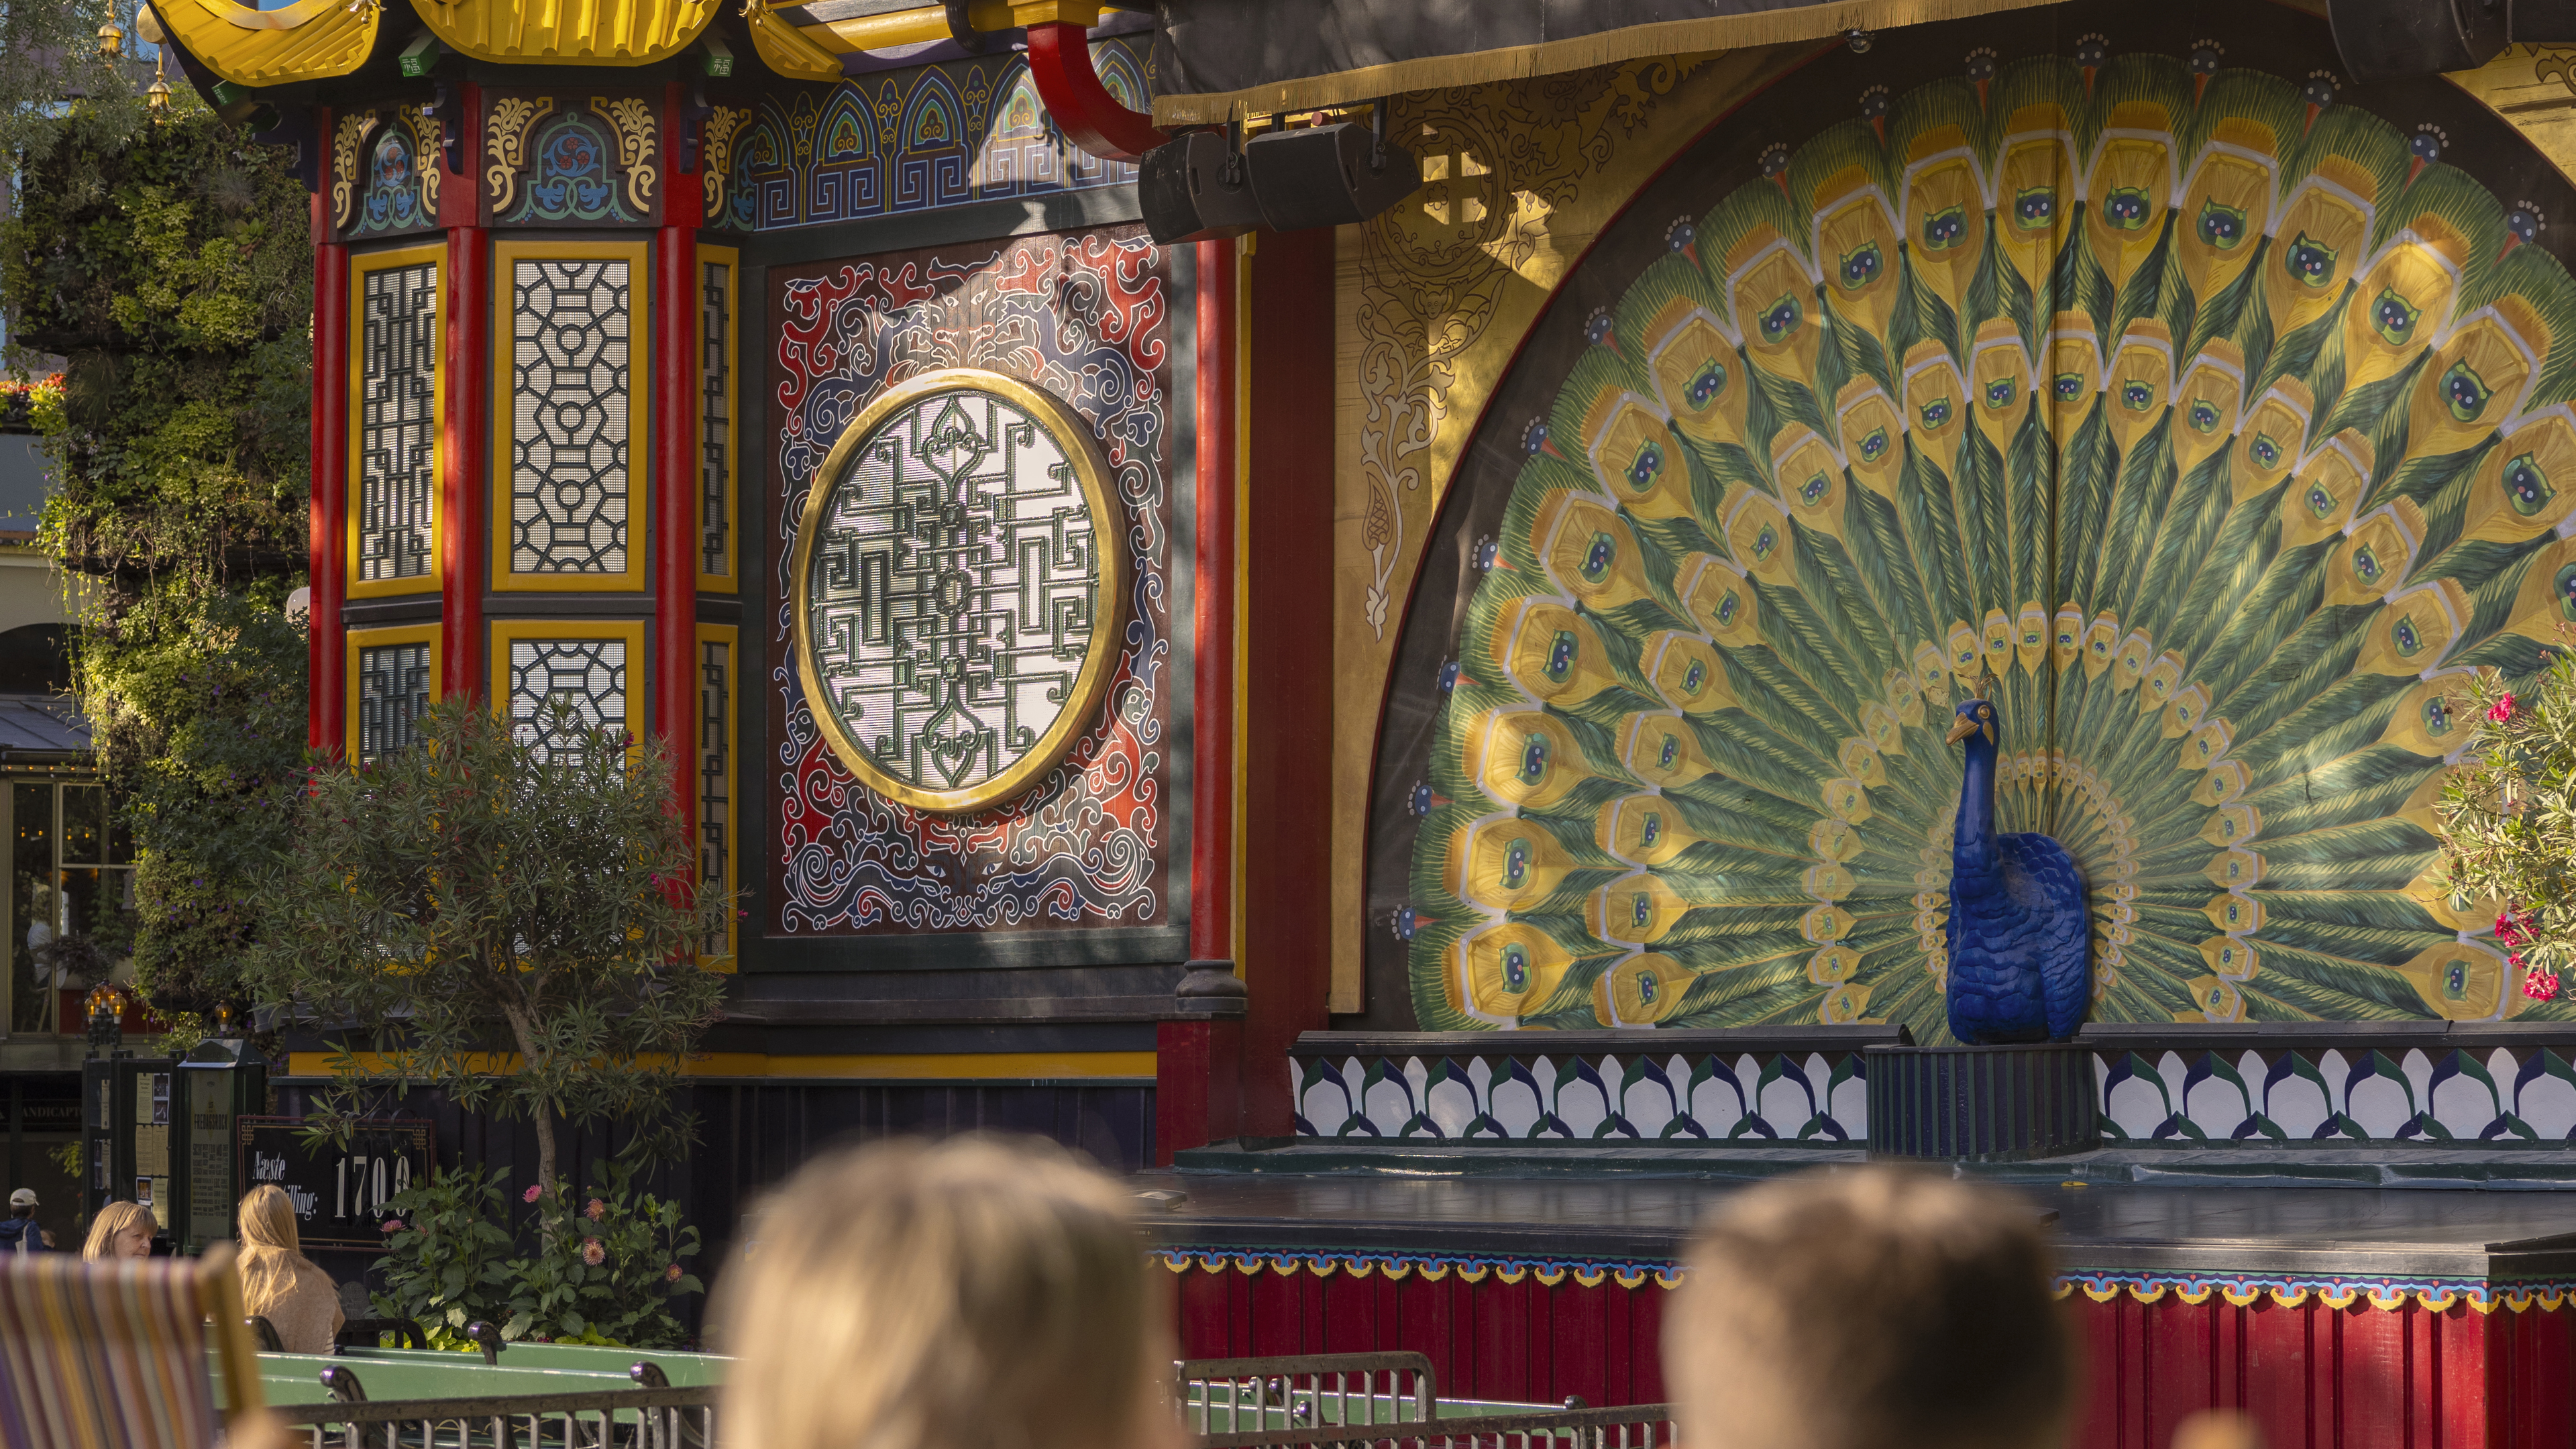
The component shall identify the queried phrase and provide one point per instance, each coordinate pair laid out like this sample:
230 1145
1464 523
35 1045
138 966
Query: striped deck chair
112 1355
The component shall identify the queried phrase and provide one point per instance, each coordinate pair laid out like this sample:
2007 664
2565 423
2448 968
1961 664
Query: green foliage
447 1264
168 262
2508 816
471 898
605 1269
49 55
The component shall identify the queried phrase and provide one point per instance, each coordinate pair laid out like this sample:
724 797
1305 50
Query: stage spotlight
1327 176
1194 189
2386 39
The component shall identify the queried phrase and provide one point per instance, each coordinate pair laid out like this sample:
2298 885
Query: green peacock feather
2218 434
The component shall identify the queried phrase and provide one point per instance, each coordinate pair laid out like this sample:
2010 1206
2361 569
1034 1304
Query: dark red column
1287 743
672 552
465 432
1198 1088
328 704
1212 693
464 445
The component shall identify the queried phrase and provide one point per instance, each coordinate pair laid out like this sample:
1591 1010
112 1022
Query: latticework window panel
393 689
588 674
570 349
715 770
397 422
715 421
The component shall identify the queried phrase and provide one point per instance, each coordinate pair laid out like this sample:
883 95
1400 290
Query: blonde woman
121 1230
984 1291
279 1283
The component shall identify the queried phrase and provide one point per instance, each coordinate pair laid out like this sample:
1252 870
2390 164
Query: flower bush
2508 821
447 1260
605 1270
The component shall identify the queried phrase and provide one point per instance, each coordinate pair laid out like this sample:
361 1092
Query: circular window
959 578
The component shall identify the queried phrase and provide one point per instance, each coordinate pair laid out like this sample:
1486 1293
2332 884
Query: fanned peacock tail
2219 423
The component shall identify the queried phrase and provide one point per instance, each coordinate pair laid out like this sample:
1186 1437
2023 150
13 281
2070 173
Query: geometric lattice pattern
570 348
715 421
953 590
393 688
715 768
588 674
1087 320
398 422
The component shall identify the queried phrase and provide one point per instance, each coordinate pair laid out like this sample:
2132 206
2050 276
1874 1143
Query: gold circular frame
1072 435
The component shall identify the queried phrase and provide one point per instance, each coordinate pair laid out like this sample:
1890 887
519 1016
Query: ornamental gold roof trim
319 39
308 40
567 32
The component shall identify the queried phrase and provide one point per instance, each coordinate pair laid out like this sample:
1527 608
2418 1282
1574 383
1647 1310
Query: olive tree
508 920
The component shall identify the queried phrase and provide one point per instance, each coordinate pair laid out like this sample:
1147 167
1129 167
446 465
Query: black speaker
1322 176
1192 189
2386 39
2542 22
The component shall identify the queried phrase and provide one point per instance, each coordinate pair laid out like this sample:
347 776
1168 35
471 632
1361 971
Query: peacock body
2218 422
2017 939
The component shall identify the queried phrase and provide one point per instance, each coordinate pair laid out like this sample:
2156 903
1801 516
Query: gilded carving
2534 87
1433 298
715 156
633 120
505 140
433 140
345 136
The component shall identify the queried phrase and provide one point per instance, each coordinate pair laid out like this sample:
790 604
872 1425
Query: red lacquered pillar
1198 1087
465 433
327 705
673 680
463 444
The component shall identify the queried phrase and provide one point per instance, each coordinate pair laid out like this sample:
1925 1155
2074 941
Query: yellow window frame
361 640
731 261
506 256
506 632
731 637
361 266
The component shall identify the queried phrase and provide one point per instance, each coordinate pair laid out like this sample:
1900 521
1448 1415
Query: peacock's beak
1961 728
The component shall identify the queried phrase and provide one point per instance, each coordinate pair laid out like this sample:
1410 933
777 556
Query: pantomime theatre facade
1374 612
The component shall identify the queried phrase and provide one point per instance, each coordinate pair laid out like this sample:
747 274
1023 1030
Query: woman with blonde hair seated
982 1291
278 1282
121 1230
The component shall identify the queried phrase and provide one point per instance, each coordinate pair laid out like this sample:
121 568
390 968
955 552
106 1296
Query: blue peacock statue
2020 967
2207 431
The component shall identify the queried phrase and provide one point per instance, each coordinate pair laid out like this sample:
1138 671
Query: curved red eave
1090 117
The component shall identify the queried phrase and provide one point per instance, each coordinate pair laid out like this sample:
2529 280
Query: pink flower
596 1210
534 1192
2502 709
393 1225
2540 985
592 1253
671 1274
2508 928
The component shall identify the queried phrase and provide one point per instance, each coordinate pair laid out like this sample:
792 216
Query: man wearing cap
20 1233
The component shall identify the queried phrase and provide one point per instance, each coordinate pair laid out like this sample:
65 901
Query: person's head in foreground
981 1291
121 1230
1869 1309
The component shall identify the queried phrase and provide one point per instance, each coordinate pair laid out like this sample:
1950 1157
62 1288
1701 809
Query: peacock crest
2212 426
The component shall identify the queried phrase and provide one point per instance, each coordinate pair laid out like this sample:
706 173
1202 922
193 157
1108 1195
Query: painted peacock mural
2218 425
